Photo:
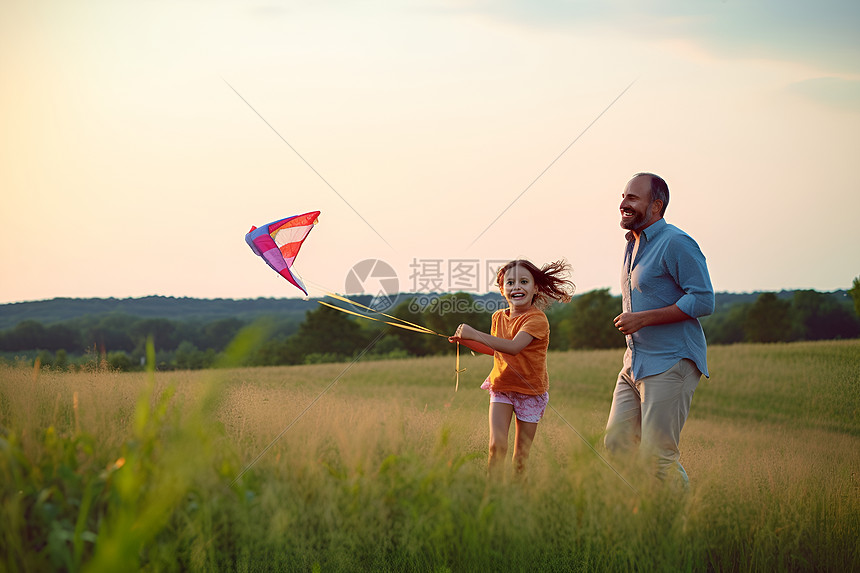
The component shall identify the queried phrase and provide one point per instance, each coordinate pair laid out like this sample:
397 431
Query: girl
518 341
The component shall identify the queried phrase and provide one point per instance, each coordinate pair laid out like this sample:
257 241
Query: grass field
380 466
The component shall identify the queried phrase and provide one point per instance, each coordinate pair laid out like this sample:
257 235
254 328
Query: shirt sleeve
494 323
690 271
536 325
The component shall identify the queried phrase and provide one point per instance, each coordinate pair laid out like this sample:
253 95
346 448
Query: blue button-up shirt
669 269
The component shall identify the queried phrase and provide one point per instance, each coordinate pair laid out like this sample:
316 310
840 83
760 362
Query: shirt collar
650 231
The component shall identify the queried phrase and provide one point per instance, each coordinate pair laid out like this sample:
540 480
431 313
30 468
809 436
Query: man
665 287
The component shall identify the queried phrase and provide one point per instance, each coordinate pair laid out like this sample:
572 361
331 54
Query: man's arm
690 270
630 322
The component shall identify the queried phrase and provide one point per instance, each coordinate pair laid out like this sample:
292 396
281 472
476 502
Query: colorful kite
279 243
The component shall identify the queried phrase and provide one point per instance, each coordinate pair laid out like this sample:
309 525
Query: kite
278 243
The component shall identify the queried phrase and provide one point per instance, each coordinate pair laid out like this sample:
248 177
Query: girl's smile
519 289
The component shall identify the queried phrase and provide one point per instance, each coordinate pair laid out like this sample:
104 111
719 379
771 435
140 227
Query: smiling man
665 288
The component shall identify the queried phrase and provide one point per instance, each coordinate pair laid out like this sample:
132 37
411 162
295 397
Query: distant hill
182 308
61 309
724 299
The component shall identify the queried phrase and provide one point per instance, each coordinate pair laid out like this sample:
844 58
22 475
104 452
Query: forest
193 333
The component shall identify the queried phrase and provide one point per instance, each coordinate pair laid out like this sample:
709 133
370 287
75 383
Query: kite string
401 323
457 369
404 324
418 327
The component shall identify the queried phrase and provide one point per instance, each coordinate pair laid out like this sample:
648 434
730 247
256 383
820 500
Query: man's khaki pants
650 413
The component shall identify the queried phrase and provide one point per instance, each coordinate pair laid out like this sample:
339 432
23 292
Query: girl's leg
500 421
525 435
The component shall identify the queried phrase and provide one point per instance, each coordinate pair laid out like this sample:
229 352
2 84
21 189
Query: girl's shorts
527 407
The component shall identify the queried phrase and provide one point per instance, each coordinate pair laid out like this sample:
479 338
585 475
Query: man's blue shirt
669 269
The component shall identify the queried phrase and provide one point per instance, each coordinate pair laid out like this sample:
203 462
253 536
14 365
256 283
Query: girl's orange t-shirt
526 372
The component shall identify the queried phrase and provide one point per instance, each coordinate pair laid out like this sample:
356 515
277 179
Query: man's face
637 209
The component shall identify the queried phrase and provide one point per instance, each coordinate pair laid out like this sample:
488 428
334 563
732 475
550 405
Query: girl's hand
489 344
466 332
472 345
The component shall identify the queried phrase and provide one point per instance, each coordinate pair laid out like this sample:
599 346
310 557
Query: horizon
366 295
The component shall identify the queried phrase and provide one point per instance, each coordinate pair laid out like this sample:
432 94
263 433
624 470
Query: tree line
119 340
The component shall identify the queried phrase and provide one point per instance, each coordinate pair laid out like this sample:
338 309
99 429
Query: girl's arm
467 333
473 345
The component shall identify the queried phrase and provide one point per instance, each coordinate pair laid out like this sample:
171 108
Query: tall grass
381 466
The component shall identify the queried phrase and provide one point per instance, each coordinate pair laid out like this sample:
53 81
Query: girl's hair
551 281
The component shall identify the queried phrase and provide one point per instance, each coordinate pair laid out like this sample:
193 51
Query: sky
140 141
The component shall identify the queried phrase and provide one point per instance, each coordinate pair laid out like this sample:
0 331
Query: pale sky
130 167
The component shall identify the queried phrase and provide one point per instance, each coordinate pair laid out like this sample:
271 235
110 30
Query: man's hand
629 322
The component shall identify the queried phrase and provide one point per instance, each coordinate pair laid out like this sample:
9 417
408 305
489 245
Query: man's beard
638 220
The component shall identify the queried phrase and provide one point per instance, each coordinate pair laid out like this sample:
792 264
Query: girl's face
519 289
